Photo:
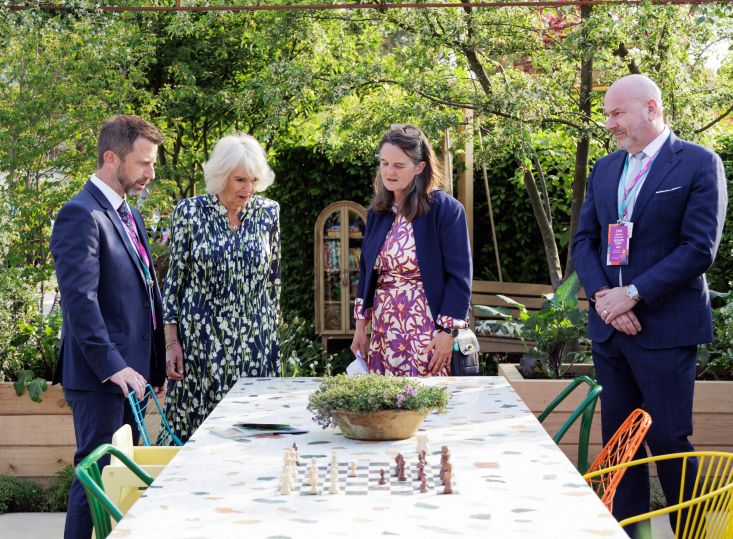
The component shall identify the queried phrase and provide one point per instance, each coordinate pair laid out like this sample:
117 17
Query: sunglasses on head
405 130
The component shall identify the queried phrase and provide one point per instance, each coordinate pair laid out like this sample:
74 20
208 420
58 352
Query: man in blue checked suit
112 334
649 228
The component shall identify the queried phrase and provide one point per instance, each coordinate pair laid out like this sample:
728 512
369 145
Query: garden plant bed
712 411
37 438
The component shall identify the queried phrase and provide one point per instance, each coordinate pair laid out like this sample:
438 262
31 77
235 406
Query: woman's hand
174 362
442 347
173 353
360 340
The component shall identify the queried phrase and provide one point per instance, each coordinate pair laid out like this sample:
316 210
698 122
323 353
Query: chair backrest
151 422
585 409
704 508
621 448
100 506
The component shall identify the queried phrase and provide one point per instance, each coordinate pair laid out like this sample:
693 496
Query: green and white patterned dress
223 291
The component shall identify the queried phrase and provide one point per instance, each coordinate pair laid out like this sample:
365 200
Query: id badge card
619 236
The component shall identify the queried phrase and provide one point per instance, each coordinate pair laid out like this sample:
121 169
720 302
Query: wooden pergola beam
377 6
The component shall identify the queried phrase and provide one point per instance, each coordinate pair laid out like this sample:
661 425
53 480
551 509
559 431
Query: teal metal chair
150 419
585 410
101 507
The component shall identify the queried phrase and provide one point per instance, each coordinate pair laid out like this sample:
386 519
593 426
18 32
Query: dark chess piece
424 484
381 477
401 475
448 488
420 471
397 460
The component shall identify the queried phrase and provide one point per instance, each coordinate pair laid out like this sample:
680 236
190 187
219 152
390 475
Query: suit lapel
117 223
663 164
616 168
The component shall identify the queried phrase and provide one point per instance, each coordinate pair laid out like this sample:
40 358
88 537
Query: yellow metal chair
121 485
704 513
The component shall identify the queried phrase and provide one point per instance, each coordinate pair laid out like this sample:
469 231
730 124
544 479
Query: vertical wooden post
447 162
465 176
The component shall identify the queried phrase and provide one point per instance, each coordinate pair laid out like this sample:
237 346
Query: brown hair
120 132
415 144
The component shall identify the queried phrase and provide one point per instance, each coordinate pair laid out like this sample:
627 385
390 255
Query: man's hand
627 323
442 347
129 377
174 362
161 391
612 303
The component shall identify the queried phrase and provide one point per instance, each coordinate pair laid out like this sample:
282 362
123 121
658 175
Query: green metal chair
584 409
101 507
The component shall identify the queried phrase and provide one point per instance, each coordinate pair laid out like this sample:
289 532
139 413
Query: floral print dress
223 291
402 325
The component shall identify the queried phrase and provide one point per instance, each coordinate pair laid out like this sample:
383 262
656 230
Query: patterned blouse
223 291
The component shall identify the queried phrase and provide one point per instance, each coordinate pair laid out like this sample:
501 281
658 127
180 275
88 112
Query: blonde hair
234 151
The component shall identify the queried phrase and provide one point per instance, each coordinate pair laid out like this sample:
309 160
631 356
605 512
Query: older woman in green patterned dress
221 295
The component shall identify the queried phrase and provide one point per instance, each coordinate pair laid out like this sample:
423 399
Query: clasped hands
615 308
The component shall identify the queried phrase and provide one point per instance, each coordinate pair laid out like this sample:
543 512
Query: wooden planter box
37 439
712 412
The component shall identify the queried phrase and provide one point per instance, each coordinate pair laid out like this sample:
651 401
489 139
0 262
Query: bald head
634 112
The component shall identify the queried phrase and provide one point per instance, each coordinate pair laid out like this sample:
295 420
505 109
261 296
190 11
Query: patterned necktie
132 229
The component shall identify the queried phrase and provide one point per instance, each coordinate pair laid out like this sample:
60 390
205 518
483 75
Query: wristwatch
452 332
633 293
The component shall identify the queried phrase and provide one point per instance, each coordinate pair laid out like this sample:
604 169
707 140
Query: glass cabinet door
355 239
332 241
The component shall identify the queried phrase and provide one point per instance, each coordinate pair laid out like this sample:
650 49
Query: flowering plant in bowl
375 407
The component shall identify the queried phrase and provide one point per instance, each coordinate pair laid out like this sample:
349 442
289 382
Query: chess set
399 477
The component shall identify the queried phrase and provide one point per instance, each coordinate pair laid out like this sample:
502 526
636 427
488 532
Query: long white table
511 479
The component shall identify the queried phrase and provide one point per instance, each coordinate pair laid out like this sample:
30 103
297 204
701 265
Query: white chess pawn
286 486
352 469
334 484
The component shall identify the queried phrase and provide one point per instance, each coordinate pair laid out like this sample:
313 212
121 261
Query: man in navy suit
649 229
112 334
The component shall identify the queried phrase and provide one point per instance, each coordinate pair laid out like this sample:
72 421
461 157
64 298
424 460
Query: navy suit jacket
107 320
443 256
678 220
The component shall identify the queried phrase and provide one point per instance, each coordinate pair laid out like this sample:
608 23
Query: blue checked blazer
678 220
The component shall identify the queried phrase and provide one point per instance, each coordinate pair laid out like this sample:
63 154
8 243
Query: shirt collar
110 194
653 146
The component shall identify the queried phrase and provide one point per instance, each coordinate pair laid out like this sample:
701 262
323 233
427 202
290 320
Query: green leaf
36 389
23 379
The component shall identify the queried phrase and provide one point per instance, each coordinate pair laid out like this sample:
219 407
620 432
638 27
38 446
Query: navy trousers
662 383
96 418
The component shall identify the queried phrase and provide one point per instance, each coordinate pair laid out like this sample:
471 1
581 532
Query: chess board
367 480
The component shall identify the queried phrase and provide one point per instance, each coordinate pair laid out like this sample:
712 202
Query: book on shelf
332 255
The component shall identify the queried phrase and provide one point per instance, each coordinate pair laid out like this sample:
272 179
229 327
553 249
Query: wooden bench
529 294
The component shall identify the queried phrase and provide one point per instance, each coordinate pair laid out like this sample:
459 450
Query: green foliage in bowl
373 392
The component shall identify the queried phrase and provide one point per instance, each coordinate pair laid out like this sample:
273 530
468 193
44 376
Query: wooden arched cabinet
339 233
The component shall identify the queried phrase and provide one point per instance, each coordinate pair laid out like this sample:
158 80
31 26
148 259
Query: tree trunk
548 236
582 148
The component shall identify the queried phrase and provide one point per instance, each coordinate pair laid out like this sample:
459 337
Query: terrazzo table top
510 478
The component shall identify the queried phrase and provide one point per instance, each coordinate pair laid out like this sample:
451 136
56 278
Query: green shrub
20 495
57 492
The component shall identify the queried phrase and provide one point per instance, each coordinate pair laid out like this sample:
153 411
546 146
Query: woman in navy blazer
415 264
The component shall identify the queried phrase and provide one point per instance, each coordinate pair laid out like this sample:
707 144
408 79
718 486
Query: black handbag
464 361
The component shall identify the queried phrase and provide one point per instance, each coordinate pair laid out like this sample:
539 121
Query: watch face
454 333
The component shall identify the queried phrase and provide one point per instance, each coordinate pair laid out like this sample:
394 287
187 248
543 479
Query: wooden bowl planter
380 425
